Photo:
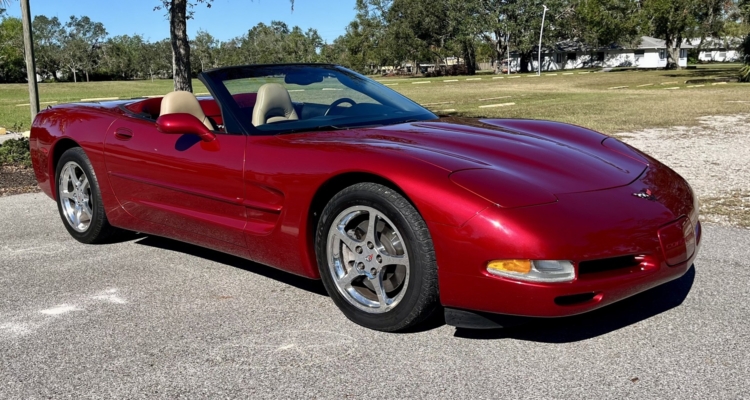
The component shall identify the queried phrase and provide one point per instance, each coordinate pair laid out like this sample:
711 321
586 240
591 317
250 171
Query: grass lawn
611 102
14 98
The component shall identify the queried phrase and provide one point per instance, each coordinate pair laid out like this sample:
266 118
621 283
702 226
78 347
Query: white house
650 53
718 49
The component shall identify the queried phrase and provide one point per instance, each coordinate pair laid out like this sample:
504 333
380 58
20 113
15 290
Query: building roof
648 42
715 43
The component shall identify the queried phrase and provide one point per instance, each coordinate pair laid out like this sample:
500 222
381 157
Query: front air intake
574 299
607 264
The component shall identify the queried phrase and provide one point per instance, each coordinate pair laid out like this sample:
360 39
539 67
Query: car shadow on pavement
310 285
596 323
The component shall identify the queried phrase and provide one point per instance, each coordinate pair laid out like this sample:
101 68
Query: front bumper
621 245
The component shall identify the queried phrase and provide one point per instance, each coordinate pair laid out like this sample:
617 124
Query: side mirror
181 124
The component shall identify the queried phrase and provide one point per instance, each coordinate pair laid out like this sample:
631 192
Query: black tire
98 229
420 299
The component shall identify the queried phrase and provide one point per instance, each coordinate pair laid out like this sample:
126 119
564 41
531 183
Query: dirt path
17 180
714 157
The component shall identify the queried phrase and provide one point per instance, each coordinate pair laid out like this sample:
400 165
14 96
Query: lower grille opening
574 299
607 264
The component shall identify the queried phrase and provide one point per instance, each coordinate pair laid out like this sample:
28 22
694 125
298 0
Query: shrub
745 50
15 152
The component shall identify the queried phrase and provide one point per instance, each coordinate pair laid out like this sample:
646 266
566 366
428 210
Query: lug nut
358 250
361 266
373 271
370 245
380 259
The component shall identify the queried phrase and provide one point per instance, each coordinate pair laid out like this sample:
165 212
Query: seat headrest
184 102
273 104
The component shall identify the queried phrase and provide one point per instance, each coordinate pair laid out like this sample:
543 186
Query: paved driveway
153 318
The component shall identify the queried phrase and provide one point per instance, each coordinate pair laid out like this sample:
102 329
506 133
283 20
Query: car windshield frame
393 107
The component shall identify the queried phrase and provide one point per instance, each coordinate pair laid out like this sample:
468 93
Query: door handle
123 134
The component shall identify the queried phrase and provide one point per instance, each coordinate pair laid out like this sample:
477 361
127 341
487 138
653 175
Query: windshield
294 98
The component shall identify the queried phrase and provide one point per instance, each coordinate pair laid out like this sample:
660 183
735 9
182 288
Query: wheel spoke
372 227
65 194
68 175
348 241
377 283
393 260
346 280
87 210
76 215
83 183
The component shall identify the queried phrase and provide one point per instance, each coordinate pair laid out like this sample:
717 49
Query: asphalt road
152 318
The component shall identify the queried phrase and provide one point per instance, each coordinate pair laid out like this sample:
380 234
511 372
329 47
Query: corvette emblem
369 258
645 194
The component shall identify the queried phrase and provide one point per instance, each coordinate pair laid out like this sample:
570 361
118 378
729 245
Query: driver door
179 181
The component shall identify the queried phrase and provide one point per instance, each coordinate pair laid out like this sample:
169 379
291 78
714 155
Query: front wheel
79 199
376 258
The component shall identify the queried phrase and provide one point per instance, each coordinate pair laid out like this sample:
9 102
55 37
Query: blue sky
224 20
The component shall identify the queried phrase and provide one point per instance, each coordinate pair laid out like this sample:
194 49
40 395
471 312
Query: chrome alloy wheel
368 259
74 191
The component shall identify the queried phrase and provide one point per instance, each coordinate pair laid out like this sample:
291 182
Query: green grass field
611 102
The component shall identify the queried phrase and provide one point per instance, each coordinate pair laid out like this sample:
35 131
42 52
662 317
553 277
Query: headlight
533 270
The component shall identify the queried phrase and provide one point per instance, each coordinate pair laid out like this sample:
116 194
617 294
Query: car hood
559 157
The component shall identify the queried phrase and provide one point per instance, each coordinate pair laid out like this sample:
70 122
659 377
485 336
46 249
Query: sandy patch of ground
713 156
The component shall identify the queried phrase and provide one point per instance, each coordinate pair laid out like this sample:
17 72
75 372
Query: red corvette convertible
324 173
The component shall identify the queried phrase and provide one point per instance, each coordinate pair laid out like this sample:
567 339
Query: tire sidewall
403 314
92 234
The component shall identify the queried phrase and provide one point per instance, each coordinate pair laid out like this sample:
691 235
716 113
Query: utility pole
539 67
28 47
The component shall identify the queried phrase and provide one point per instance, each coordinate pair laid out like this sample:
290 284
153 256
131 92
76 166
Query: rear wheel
79 199
376 258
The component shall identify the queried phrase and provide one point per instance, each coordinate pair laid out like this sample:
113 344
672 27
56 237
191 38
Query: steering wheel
339 102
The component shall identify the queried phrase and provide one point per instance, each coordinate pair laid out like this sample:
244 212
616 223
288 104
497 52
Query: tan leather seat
273 105
186 103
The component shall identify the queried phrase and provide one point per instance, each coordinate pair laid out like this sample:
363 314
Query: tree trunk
87 76
525 59
674 58
470 58
75 79
673 51
500 56
180 45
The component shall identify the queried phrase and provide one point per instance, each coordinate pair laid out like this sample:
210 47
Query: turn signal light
516 266
533 270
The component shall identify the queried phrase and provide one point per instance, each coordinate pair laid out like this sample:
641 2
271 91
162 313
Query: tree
600 23
81 45
204 48
122 56
11 50
155 59
523 19
365 42
48 34
178 17
671 20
